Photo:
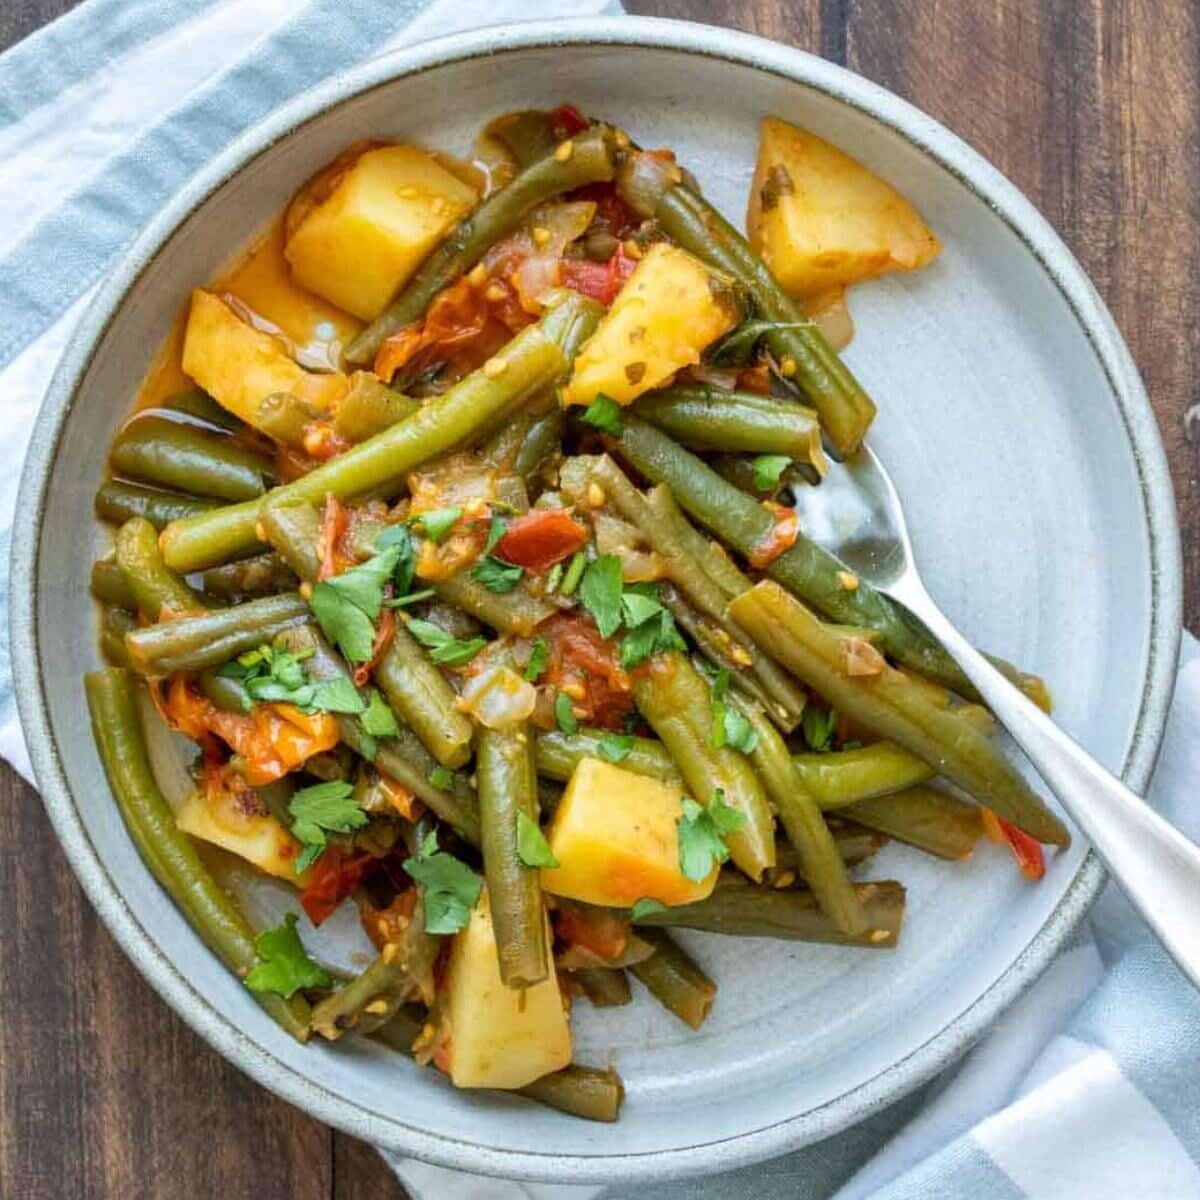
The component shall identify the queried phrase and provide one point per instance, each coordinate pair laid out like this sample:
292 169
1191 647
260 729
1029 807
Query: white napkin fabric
1087 1087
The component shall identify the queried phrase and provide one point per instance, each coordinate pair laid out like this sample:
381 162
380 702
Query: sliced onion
498 698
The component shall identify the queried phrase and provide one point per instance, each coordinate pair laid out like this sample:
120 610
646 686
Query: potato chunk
500 1037
360 245
240 366
616 837
669 310
259 838
820 220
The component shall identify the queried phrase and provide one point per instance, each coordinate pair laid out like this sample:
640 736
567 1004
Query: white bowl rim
894 1080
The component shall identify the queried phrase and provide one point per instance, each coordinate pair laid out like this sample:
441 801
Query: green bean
169 853
285 418
674 980
294 531
739 470
892 706
605 987
412 685
119 502
186 458
733 647
812 573
541 444
745 910
558 754
515 613
197 403
116 624
369 407
227 693
588 160
583 1092
210 639
710 418
403 971
532 359
796 342
262 575
526 135
931 820
507 783
418 691
855 843
710 555
402 758
820 861
675 700
156 589
109 586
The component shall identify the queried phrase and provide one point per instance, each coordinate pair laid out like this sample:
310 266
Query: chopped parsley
322 809
284 966
702 833
449 888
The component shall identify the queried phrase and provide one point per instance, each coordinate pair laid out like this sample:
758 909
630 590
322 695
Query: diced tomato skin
333 877
598 281
566 121
580 656
1025 849
540 539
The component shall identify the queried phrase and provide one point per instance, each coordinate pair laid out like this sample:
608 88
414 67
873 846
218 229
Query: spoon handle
1155 865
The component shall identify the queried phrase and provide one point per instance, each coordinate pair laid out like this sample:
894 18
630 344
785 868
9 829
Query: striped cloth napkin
1087 1087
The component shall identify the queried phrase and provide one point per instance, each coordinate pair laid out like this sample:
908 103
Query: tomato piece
581 659
566 121
598 281
1025 849
540 539
334 524
781 537
384 925
333 877
612 213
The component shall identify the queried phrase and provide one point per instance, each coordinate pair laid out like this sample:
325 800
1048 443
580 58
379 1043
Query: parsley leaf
702 833
321 809
730 727
645 907
497 576
564 713
600 593
278 676
638 607
450 651
283 965
347 605
449 888
532 848
649 638
538 658
768 471
495 532
817 725
438 522
604 413
442 777
615 747
378 720
406 559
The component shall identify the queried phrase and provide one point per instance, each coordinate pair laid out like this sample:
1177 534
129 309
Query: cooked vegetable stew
456 532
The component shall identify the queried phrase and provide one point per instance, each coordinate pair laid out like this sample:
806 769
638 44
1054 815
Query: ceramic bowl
1021 440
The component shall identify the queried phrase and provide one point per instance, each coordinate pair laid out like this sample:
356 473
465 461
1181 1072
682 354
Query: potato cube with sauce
616 837
821 220
360 244
240 366
670 309
259 838
500 1037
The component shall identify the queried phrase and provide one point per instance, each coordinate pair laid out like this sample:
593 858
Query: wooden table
1093 109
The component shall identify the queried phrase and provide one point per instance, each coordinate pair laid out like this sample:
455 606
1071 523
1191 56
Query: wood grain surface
1092 107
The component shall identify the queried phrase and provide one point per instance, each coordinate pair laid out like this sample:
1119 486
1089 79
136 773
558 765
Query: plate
1018 434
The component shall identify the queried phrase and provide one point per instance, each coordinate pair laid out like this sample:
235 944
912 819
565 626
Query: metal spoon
856 514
